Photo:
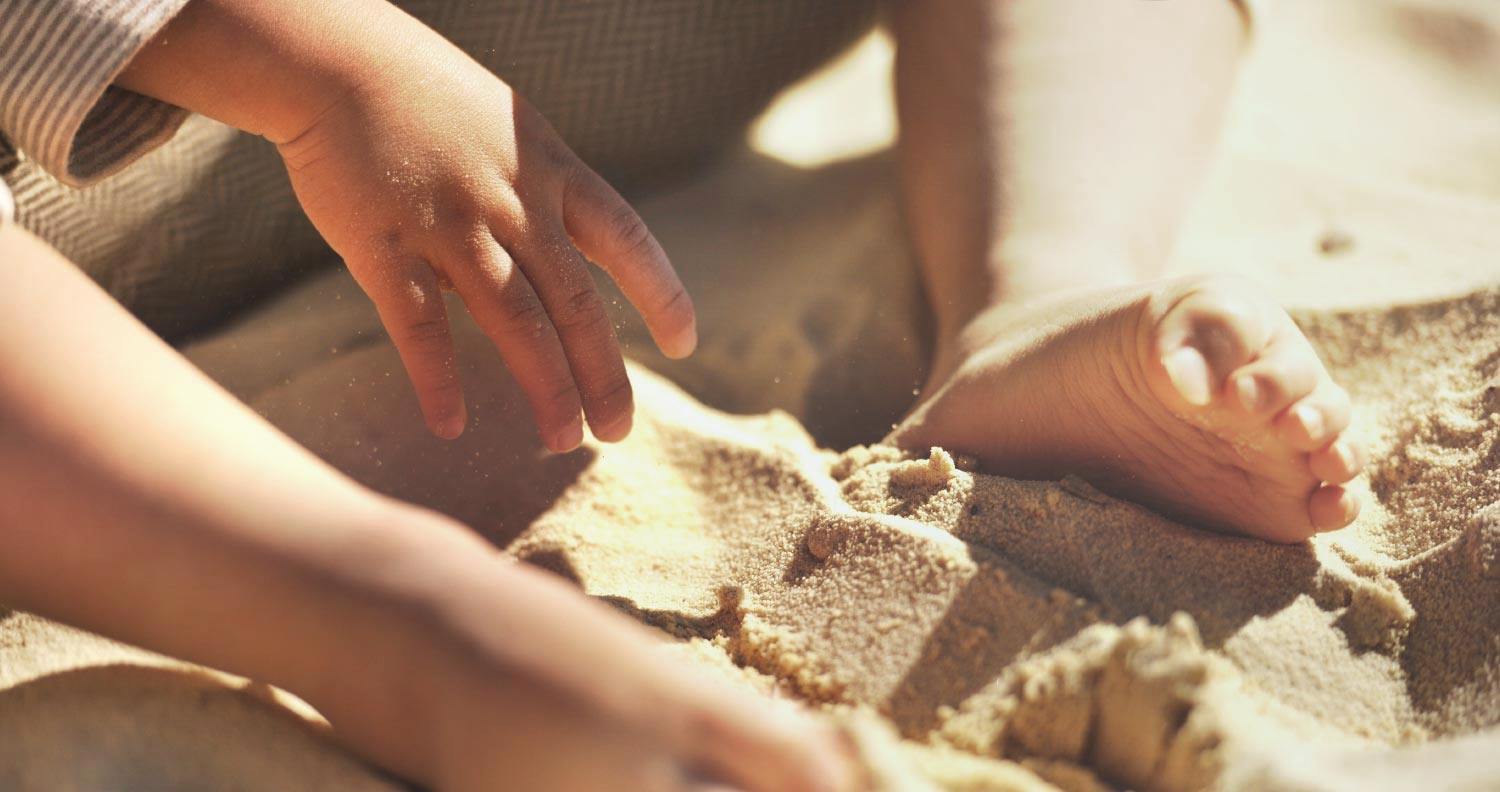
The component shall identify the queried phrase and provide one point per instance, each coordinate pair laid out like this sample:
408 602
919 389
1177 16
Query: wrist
271 67
356 51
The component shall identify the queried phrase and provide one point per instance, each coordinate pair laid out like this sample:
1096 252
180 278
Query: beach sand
969 632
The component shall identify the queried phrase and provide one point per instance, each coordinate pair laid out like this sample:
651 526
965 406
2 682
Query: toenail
1310 418
1249 392
1188 372
1348 507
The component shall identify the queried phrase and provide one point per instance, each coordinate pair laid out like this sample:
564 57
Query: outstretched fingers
509 311
607 230
560 276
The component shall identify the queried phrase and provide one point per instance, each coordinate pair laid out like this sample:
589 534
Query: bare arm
1052 143
271 67
423 171
140 501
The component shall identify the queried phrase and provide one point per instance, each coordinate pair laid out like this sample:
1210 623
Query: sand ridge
1031 621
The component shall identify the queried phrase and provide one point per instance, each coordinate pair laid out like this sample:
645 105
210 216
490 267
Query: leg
1198 397
1049 145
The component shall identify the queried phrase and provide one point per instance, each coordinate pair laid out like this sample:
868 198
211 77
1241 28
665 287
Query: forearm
1036 133
270 67
140 501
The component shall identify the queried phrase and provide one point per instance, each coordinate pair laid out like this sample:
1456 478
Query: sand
969 632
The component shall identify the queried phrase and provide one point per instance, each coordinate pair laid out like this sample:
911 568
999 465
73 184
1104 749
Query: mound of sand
969 632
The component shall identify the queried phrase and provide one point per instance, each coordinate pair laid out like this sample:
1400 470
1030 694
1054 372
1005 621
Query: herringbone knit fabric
57 63
207 223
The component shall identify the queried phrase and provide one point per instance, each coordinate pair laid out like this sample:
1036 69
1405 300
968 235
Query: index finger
760 745
609 232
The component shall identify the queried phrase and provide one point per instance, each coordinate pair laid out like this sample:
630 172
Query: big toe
1201 332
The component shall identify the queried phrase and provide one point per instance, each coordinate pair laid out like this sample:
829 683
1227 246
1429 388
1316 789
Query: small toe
1312 421
1337 462
1285 372
1332 507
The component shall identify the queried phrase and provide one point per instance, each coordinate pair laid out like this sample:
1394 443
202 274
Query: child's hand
432 174
493 675
503 733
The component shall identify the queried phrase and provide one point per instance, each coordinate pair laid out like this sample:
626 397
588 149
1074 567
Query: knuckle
693 728
445 384
677 304
509 214
526 315
458 212
472 242
564 391
555 150
562 396
628 232
426 331
613 394
582 309
390 241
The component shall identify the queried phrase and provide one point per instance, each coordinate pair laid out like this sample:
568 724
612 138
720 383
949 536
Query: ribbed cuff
58 59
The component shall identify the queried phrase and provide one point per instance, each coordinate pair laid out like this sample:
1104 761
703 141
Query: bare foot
1197 397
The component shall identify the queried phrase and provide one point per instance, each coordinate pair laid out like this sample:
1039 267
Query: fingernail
1310 418
1188 372
1249 392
